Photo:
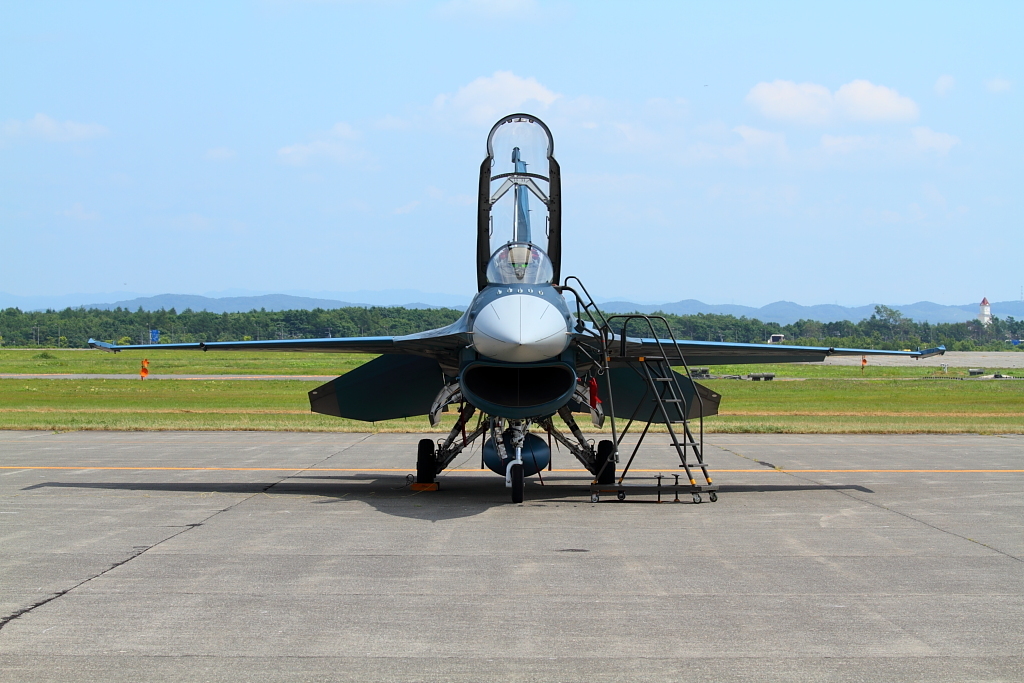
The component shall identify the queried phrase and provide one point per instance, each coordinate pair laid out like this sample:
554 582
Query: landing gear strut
509 443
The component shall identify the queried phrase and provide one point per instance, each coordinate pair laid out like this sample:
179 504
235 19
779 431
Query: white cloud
335 145
47 128
810 103
221 154
944 84
927 140
761 139
789 101
719 143
862 100
998 85
80 213
408 208
489 97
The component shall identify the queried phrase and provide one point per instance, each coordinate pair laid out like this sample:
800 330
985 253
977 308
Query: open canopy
519 263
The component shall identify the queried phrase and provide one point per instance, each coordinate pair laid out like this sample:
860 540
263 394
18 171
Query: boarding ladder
670 404
662 386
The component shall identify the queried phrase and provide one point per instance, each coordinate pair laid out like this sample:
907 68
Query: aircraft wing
727 353
431 343
326 345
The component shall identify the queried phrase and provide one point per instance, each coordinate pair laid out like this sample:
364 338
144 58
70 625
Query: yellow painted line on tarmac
406 469
209 469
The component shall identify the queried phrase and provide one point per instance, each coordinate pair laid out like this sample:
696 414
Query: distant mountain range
782 312
234 304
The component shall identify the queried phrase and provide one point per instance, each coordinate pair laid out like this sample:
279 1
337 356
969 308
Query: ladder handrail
604 334
697 446
627 318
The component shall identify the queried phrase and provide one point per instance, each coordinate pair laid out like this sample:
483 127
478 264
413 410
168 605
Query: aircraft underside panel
386 388
634 400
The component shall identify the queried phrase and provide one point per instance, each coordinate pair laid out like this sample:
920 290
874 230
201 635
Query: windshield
519 263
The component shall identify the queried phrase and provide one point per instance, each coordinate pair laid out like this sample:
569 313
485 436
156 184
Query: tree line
887 328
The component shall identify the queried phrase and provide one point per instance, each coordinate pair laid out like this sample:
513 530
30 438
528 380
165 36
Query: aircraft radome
522 353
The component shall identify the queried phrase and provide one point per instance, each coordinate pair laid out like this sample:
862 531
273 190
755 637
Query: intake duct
518 390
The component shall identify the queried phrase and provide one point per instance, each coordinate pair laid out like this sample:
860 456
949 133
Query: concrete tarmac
250 556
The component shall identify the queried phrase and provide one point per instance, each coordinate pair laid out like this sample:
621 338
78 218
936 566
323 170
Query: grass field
91 361
811 406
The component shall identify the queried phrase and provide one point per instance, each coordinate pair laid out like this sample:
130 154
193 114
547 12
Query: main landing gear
426 466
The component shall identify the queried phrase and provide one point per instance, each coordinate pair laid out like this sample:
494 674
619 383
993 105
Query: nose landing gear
518 482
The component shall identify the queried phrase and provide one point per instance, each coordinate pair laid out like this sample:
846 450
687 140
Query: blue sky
730 152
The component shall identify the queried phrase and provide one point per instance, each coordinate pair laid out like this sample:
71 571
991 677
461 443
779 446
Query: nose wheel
518 483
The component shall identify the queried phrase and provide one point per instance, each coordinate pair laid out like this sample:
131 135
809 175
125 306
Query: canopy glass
519 263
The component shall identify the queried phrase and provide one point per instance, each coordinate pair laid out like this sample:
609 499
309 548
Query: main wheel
518 484
605 454
426 462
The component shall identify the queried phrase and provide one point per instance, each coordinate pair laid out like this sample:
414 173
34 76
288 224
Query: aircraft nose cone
519 328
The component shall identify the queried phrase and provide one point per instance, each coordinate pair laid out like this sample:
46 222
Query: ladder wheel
621 495
426 462
594 497
606 454
713 497
696 498
518 485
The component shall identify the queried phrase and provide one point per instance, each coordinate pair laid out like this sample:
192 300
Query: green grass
272 405
894 406
92 361
812 406
819 371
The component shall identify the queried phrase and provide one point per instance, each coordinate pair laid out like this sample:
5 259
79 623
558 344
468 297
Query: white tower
985 312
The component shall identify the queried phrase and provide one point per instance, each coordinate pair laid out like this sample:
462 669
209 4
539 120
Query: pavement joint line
795 474
312 467
188 527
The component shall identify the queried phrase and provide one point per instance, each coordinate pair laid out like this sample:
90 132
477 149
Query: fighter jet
531 346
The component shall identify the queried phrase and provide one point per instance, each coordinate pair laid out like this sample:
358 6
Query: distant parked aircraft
522 354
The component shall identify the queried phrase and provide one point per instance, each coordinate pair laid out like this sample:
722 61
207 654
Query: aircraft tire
518 483
605 453
426 462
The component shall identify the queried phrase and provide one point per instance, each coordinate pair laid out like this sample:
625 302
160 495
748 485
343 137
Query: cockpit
519 263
